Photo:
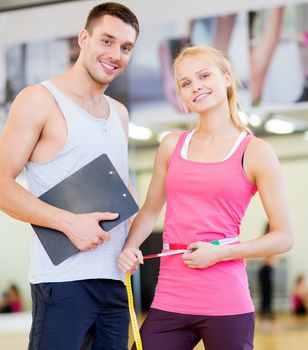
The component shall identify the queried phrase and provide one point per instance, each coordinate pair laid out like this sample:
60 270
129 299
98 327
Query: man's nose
115 52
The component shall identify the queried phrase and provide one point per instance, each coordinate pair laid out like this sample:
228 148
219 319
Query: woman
16 302
300 296
207 177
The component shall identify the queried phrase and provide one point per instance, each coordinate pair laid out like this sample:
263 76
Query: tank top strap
239 152
179 145
55 92
111 105
63 101
113 111
114 116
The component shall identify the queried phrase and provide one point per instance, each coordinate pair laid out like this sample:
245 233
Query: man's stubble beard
98 80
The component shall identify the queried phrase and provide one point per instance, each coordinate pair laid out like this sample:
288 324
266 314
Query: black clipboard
96 187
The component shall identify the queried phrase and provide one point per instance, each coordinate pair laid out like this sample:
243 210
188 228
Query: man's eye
126 49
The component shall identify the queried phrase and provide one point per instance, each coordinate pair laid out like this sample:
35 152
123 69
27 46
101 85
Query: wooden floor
288 333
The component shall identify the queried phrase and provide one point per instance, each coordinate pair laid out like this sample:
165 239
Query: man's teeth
108 66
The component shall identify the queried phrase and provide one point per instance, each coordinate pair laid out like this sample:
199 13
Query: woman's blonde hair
203 51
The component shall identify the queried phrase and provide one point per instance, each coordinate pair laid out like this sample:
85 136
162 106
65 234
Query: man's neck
78 82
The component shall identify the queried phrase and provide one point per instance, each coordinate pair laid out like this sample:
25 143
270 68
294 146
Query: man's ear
82 38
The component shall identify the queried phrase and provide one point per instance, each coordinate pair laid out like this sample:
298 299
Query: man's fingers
106 216
103 236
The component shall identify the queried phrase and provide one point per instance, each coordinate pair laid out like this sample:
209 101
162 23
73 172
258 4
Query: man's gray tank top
87 138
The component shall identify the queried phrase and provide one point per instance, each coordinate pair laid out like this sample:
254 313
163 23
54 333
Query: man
54 129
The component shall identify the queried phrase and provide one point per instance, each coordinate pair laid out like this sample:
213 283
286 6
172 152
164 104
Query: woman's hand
203 255
129 259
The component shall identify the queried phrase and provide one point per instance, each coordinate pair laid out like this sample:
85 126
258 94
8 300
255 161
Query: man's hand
84 231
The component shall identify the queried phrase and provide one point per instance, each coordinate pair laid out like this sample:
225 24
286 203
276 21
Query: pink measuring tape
178 248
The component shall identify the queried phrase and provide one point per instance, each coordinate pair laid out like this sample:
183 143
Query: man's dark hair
112 9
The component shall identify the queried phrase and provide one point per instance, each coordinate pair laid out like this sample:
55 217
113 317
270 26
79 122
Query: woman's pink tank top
205 201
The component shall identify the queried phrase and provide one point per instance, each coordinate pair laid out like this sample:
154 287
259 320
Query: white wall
14 255
15 237
65 20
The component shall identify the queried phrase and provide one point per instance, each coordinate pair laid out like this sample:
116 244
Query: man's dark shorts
65 313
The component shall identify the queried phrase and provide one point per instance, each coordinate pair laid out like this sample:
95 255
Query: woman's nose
196 87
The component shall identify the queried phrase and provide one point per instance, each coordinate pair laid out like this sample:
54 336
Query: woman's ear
228 79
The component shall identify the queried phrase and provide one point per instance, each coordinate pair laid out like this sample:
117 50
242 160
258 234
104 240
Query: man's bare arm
27 118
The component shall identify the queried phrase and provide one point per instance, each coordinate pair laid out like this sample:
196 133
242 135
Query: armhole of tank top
243 147
54 93
113 110
245 143
179 144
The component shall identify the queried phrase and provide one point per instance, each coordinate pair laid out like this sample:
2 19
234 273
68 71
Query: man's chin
107 78
103 80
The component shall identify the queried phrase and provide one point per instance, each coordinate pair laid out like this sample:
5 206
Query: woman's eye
204 75
185 84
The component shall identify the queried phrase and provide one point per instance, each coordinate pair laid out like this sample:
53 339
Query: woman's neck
216 123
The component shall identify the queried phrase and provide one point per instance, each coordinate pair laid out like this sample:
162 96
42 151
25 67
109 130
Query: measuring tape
132 313
173 250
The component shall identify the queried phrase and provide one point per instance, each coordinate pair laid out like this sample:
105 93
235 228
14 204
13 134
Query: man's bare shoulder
33 94
34 101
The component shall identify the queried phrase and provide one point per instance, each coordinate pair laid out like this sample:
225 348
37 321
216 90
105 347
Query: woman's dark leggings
173 331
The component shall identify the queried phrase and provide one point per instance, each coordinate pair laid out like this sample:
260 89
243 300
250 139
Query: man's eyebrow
129 43
110 36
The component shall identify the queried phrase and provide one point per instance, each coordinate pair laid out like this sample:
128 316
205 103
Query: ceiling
9 5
